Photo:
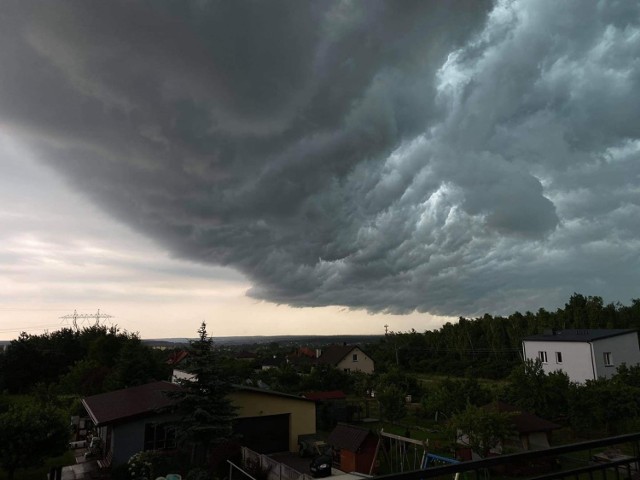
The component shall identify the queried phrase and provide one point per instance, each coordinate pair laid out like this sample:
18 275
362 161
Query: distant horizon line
186 339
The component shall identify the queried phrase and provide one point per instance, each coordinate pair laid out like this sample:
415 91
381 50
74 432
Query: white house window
558 357
608 359
355 357
542 356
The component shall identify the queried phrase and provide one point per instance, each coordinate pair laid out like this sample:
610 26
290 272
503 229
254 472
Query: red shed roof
130 402
348 437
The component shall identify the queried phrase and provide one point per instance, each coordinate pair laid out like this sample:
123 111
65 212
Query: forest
490 347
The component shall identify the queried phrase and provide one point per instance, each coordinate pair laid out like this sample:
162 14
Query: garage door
267 434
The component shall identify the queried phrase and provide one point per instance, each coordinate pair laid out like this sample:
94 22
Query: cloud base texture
453 158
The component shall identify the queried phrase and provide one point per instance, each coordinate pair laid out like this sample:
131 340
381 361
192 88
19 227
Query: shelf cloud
446 157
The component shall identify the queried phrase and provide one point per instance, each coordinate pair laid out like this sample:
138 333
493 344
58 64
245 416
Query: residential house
583 355
304 358
349 358
139 418
355 447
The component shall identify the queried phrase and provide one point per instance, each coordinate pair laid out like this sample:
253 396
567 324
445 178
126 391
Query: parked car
321 466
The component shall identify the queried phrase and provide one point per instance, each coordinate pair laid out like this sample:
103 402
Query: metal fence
277 470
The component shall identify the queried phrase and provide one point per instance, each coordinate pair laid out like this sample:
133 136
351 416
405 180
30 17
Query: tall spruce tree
203 402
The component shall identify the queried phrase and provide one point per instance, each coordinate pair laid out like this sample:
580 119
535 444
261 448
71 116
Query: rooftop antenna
85 316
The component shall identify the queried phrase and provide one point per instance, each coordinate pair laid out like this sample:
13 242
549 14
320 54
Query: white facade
583 354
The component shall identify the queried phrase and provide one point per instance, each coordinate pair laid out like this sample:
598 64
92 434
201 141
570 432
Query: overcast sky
315 167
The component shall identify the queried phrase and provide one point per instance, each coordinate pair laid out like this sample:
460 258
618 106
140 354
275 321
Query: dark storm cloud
450 157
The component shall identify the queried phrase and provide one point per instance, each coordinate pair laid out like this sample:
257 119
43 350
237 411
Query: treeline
84 362
491 346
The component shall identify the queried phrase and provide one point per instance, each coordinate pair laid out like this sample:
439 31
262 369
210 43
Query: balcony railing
613 458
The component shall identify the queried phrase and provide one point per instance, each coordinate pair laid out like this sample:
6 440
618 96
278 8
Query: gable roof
177 356
330 395
129 403
525 422
334 354
348 437
580 335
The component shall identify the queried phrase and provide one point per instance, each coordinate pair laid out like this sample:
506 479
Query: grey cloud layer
450 157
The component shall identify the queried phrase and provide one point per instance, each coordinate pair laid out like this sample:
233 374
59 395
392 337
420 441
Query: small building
583 355
349 358
531 432
133 419
270 422
140 418
355 447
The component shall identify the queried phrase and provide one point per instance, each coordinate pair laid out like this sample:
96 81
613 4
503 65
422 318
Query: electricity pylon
85 316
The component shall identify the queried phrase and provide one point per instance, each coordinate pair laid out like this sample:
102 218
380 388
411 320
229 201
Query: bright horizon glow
59 253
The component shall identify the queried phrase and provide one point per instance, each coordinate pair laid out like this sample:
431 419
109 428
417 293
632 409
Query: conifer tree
203 402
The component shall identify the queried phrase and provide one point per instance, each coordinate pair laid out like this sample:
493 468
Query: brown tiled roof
330 395
348 437
525 422
119 405
177 356
333 355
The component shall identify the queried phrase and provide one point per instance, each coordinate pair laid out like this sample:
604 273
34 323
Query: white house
583 354
349 358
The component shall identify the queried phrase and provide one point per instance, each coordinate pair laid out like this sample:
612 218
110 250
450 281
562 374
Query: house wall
583 361
364 457
179 375
256 404
537 440
347 461
623 349
576 358
362 364
128 438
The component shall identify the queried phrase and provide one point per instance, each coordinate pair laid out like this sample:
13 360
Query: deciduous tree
482 429
29 434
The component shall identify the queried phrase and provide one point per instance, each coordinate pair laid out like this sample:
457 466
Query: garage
265 434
